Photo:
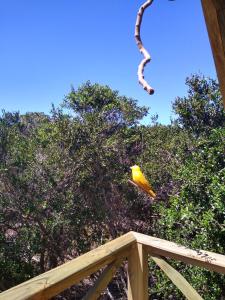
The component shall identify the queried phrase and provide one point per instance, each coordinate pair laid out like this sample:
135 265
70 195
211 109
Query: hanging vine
145 53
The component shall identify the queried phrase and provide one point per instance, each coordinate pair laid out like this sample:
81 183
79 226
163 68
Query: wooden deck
134 247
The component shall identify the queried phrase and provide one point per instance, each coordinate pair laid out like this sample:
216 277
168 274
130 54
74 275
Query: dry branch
145 53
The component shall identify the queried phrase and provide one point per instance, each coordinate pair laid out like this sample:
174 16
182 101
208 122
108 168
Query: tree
64 186
202 109
64 190
195 216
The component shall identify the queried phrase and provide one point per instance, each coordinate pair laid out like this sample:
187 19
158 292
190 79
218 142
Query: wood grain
214 12
209 260
53 282
135 247
138 273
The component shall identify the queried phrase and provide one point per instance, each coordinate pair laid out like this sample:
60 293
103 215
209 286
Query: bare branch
145 53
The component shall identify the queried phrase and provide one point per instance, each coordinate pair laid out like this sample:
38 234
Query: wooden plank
181 283
138 273
209 260
56 280
53 282
214 12
102 281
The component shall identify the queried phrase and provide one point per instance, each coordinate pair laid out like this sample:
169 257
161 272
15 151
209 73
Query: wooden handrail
209 260
53 282
135 247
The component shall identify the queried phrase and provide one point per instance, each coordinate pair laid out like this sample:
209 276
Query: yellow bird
139 178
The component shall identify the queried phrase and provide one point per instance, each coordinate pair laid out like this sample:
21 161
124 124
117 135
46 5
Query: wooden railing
137 249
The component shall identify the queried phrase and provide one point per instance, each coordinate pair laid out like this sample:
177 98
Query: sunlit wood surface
136 248
214 12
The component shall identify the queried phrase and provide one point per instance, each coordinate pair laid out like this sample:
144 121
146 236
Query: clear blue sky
48 45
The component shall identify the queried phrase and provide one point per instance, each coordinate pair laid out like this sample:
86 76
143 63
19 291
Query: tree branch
145 53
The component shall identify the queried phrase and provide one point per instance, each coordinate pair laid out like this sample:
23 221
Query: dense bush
64 189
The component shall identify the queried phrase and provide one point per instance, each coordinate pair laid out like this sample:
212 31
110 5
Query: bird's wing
147 187
144 181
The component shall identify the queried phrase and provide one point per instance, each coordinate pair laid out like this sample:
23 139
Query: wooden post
214 11
138 273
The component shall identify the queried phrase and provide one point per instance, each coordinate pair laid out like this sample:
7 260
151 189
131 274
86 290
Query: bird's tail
151 193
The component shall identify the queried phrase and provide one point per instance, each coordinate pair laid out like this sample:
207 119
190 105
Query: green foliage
100 103
202 109
195 217
64 190
64 180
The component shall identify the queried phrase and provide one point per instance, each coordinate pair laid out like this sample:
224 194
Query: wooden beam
214 12
209 260
138 273
133 246
103 280
180 282
56 280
